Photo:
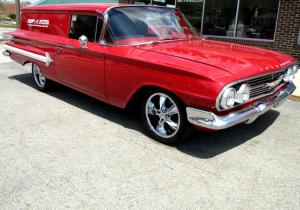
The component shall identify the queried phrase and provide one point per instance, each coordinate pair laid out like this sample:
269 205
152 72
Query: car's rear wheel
40 80
164 117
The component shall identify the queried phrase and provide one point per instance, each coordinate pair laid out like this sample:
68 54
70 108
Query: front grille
265 84
260 86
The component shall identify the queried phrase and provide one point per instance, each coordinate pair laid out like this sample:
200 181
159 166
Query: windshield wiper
170 39
165 39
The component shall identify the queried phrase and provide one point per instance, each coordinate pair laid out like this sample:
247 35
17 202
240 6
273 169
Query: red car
150 56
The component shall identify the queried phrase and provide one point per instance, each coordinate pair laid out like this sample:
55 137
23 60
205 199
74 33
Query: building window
193 12
143 2
219 17
255 19
168 3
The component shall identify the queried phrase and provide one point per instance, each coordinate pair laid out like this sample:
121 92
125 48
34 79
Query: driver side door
83 67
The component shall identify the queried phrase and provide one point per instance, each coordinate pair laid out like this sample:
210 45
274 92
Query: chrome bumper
210 120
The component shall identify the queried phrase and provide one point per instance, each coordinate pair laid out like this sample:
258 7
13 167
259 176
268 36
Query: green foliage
8 26
1 5
12 16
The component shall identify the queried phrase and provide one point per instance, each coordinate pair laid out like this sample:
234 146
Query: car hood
241 61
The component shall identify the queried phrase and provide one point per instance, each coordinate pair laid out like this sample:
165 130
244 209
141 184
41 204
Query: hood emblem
273 84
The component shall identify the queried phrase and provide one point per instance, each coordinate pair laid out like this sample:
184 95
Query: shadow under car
201 144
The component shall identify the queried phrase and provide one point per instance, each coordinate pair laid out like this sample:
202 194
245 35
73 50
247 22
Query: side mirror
83 40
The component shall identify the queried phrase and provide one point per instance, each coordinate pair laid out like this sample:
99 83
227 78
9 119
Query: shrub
12 16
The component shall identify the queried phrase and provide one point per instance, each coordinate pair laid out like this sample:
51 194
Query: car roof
84 7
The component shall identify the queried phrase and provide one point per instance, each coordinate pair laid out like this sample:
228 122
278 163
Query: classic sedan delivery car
150 56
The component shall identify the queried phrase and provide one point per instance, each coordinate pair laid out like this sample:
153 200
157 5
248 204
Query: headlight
290 74
295 69
243 94
228 98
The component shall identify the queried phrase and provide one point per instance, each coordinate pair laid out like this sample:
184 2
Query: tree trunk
18 13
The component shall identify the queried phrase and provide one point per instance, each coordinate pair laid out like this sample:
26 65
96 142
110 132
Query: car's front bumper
212 121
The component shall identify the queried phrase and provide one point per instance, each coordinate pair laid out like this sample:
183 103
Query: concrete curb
297 83
294 98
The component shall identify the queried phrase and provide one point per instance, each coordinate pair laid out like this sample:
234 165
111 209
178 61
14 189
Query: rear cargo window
87 25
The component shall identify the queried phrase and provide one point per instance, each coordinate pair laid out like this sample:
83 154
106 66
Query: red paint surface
194 70
73 7
58 22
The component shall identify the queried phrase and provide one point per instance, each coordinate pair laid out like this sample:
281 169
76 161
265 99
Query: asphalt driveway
63 149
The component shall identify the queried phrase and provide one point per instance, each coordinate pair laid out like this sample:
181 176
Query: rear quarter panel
49 22
40 32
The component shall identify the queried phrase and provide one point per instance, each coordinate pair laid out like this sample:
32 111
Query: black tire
171 134
41 84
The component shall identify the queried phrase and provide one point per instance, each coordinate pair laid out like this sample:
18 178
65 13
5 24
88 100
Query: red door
82 68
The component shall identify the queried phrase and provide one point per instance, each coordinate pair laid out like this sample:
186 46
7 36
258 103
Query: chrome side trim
43 58
212 121
6 53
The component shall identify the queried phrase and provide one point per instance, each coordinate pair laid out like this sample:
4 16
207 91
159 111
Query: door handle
59 50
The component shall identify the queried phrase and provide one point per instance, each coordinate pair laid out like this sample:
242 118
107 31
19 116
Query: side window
87 25
99 28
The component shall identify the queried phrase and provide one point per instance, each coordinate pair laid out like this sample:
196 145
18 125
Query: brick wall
288 27
287 30
8 9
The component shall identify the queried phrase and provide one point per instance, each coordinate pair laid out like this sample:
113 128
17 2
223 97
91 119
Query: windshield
144 24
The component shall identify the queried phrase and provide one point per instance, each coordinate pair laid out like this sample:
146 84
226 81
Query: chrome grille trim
261 77
268 93
258 85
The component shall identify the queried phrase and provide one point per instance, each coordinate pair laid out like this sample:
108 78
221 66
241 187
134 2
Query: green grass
8 25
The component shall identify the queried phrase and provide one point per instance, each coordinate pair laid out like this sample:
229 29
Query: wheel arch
137 95
27 62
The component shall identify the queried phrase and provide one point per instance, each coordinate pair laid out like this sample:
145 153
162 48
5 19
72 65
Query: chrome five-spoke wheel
39 78
163 116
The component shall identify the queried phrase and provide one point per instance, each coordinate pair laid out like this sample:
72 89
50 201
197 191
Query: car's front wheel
164 117
40 80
